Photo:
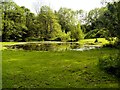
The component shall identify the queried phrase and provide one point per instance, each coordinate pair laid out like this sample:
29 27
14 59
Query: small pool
50 46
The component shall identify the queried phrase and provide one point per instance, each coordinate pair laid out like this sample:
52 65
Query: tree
66 19
13 22
49 26
69 22
76 33
113 19
19 24
110 20
94 23
30 22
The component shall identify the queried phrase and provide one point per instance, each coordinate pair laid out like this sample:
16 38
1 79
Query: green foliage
111 64
69 23
93 20
96 33
13 22
77 33
113 18
66 19
49 27
19 24
65 36
109 20
105 20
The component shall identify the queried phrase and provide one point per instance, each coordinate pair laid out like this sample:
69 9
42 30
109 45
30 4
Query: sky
85 5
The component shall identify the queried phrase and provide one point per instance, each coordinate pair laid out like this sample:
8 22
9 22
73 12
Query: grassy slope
32 69
101 41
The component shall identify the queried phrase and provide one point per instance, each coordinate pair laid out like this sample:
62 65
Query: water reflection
46 46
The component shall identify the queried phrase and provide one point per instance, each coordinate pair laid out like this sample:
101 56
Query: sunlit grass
8 43
68 69
101 41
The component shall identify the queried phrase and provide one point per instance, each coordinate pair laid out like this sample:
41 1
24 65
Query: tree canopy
20 24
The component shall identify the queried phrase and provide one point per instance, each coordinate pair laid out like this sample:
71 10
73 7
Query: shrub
110 45
33 39
110 64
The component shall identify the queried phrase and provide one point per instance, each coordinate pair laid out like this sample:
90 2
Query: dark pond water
46 46
51 46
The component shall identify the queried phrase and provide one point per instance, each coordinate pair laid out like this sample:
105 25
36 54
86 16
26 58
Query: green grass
8 43
101 41
69 69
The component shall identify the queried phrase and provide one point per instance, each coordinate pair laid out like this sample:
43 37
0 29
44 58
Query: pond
50 46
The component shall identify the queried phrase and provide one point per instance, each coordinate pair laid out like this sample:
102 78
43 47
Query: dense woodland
20 24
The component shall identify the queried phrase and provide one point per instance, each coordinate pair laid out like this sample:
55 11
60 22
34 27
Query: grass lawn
69 69
101 41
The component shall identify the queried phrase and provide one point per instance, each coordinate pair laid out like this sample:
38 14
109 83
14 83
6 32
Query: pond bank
49 46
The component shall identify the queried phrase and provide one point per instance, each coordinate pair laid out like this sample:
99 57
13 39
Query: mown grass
6 43
101 41
68 69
